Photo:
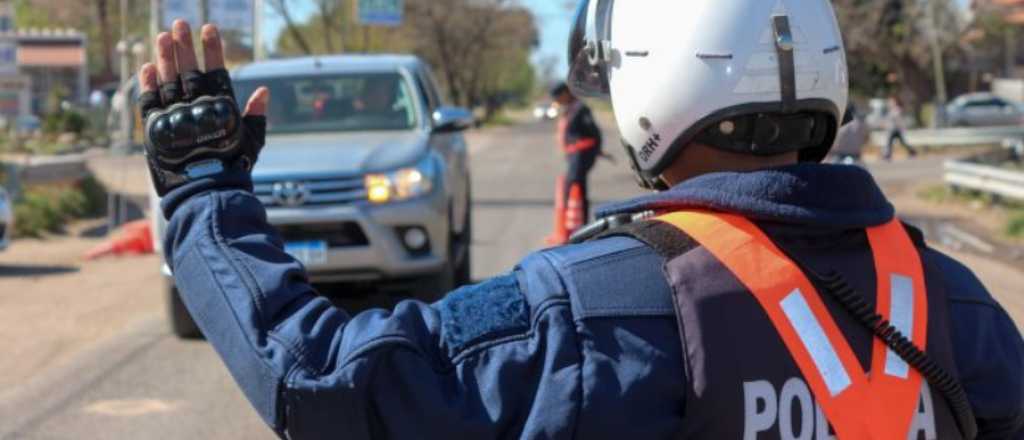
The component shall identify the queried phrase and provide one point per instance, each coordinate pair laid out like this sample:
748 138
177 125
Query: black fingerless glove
194 130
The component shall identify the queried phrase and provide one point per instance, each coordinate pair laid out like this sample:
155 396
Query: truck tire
180 321
464 245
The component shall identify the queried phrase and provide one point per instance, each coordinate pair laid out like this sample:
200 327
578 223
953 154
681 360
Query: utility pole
204 12
1010 56
155 17
259 51
939 115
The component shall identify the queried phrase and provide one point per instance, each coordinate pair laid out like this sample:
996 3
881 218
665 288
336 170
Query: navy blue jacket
553 349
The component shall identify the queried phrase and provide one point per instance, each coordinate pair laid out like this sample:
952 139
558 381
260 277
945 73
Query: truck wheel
463 246
438 285
178 317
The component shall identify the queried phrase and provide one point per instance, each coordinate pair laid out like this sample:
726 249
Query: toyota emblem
290 193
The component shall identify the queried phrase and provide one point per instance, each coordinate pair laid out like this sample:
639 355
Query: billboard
380 12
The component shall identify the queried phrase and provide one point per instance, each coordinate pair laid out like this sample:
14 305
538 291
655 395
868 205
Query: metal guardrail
953 137
53 169
979 174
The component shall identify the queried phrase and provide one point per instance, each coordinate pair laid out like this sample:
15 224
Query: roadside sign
236 15
8 56
187 10
14 95
380 12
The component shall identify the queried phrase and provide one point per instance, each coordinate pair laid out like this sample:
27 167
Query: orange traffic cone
574 209
560 235
135 238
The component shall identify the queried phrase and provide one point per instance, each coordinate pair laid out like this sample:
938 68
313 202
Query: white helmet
759 77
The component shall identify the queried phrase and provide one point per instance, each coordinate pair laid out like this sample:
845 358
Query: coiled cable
837 286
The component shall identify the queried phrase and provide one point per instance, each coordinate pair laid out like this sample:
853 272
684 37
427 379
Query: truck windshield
327 103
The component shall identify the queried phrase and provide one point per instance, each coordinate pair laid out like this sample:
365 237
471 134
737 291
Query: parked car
6 218
983 109
365 173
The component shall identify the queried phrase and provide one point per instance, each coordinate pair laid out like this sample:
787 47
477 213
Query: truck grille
345 234
291 193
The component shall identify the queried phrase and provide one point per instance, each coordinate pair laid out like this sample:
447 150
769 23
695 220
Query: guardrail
17 173
981 173
953 137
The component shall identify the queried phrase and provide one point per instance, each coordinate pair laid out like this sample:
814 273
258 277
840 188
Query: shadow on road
134 209
7 270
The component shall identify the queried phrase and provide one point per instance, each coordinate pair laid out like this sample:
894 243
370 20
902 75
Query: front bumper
379 254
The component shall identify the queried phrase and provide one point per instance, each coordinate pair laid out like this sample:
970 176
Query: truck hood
338 154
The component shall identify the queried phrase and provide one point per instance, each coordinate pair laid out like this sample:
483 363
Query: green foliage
65 122
35 214
48 208
479 49
1015 227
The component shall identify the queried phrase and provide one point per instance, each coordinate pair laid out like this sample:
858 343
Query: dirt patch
55 305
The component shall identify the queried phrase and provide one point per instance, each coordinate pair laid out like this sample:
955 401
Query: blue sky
553 19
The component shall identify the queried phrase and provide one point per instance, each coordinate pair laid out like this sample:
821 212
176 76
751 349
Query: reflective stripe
881 406
901 316
813 337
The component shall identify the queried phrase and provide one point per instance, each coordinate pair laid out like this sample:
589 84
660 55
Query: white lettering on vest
765 408
756 395
924 418
795 389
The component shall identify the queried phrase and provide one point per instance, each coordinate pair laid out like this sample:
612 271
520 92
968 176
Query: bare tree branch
281 8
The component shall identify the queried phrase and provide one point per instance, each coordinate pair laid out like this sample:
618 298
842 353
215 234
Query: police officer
757 295
579 138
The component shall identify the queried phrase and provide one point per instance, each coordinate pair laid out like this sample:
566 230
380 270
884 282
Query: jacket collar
839 196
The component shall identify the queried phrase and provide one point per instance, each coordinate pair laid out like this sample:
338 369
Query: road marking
130 407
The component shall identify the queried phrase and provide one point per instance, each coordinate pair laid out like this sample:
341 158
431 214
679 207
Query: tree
464 39
888 48
281 7
479 48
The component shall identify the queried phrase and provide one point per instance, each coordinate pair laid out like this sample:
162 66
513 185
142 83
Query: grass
47 209
939 194
1015 226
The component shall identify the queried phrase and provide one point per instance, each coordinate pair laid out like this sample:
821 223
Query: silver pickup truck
365 174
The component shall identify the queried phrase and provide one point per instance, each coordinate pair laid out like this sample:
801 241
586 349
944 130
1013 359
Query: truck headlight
403 184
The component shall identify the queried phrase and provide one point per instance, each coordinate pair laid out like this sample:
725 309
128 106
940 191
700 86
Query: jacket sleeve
582 133
989 353
466 367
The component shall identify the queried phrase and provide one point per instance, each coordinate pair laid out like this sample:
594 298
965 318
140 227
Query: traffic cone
135 238
574 209
560 235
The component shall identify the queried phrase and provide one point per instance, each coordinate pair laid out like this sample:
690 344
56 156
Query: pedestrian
851 138
896 127
579 139
749 298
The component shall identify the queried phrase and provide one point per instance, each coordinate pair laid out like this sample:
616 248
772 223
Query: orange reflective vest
859 405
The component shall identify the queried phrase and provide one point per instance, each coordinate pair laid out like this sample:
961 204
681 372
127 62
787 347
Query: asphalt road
129 379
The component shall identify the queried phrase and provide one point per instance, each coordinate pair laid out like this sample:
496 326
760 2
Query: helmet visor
589 49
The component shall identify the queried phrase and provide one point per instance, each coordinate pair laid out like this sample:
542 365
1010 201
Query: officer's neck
697 159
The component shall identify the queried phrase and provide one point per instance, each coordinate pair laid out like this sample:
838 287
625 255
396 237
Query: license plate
308 252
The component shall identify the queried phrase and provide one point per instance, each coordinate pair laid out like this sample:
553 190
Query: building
36 63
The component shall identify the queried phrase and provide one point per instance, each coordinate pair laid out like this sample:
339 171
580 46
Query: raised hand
194 128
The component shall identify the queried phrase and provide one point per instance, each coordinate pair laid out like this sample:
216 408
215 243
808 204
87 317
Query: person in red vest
579 138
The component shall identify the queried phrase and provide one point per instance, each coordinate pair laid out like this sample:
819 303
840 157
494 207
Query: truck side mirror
451 119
